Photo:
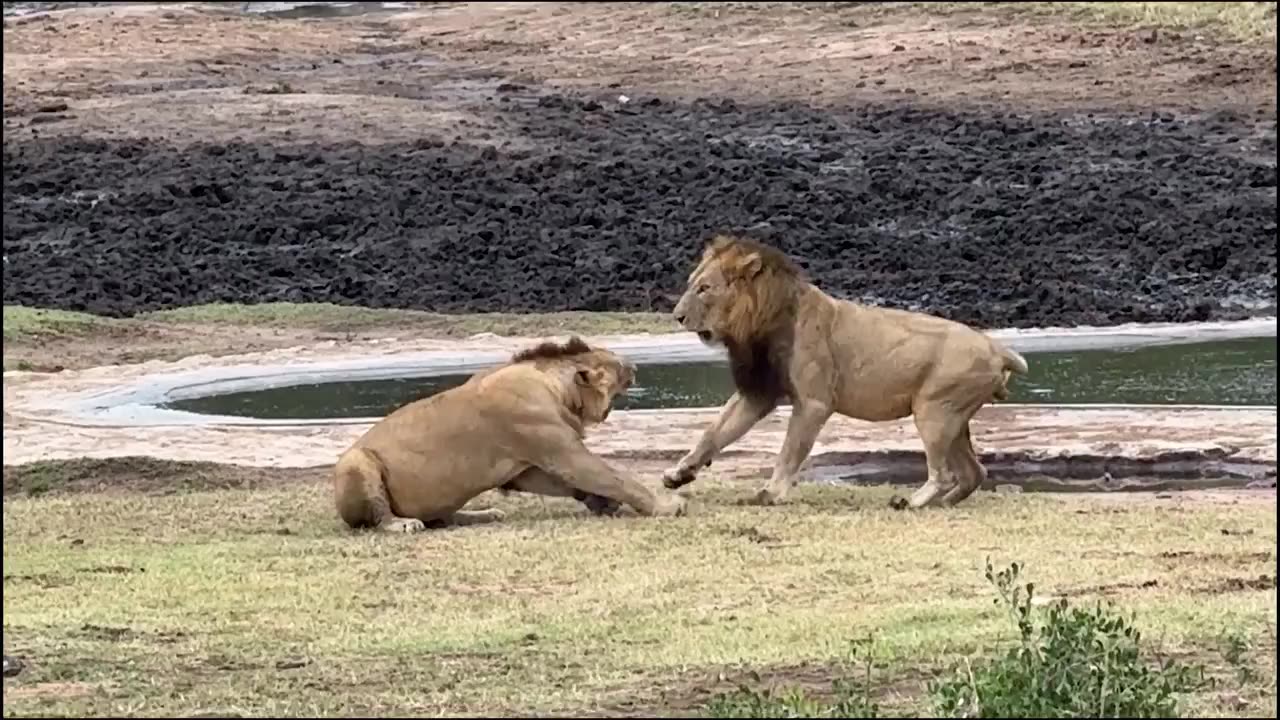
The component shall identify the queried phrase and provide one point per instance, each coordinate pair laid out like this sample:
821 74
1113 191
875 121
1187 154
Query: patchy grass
255 600
50 340
1244 21
21 323
1240 21
1069 662
24 323
344 318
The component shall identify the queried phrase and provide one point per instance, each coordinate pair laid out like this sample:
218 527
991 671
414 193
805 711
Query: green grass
24 323
53 340
330 317
257 601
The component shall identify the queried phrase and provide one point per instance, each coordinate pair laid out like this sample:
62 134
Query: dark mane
760 329
551 350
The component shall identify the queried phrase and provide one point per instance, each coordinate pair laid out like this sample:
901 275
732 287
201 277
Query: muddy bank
435 159
583 202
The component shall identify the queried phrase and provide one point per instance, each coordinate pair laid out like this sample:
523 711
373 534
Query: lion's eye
703 288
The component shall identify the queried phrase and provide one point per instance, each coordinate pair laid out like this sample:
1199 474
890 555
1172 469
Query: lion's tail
1013 361
359 488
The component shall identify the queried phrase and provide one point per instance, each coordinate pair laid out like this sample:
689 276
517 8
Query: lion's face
601 376
708 298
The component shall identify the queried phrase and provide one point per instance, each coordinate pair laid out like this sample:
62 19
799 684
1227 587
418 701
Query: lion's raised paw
677 477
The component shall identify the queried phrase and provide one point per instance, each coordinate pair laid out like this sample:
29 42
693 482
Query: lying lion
787 339
515 427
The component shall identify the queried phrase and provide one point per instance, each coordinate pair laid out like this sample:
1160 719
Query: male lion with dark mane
517 427
787 339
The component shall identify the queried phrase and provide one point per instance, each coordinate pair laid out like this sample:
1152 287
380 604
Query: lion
516 427
789 340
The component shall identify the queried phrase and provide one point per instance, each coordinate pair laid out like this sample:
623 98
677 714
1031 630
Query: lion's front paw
678 477
403 525
766 497
669 505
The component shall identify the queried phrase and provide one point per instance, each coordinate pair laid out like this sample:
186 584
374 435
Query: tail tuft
1013 361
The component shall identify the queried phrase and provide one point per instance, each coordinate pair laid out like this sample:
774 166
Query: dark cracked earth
447 159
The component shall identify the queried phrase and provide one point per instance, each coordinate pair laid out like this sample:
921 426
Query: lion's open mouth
704 336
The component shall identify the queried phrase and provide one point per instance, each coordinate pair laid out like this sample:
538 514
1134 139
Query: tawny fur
515 427
789 340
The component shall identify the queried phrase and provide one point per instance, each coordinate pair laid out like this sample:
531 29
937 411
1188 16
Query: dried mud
531 196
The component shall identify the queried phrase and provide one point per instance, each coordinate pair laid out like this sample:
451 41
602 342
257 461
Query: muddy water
1235 372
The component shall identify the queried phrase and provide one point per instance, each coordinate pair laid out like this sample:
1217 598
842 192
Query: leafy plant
1069 662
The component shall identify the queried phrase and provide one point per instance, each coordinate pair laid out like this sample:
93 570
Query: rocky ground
1005 170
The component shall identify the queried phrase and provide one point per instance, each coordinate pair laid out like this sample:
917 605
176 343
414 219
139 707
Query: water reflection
1236 372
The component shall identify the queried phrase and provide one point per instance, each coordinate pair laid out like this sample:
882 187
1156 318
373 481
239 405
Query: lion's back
463 417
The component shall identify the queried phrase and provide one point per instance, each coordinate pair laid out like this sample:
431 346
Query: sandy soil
168 74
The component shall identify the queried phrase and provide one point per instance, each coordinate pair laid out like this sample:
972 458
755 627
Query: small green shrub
1069 662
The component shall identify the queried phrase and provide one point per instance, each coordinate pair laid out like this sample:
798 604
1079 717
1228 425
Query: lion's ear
718 244
588 377
749 266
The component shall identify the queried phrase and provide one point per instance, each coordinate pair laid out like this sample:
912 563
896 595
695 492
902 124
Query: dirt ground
150 59
160 157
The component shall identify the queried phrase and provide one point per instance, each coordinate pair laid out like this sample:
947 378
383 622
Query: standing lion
515 427
787 339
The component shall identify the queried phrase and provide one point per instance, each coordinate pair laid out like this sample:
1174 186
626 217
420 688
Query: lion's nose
680 319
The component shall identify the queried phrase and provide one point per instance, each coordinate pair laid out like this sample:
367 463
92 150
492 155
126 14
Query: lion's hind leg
965 460
940 427
361 494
